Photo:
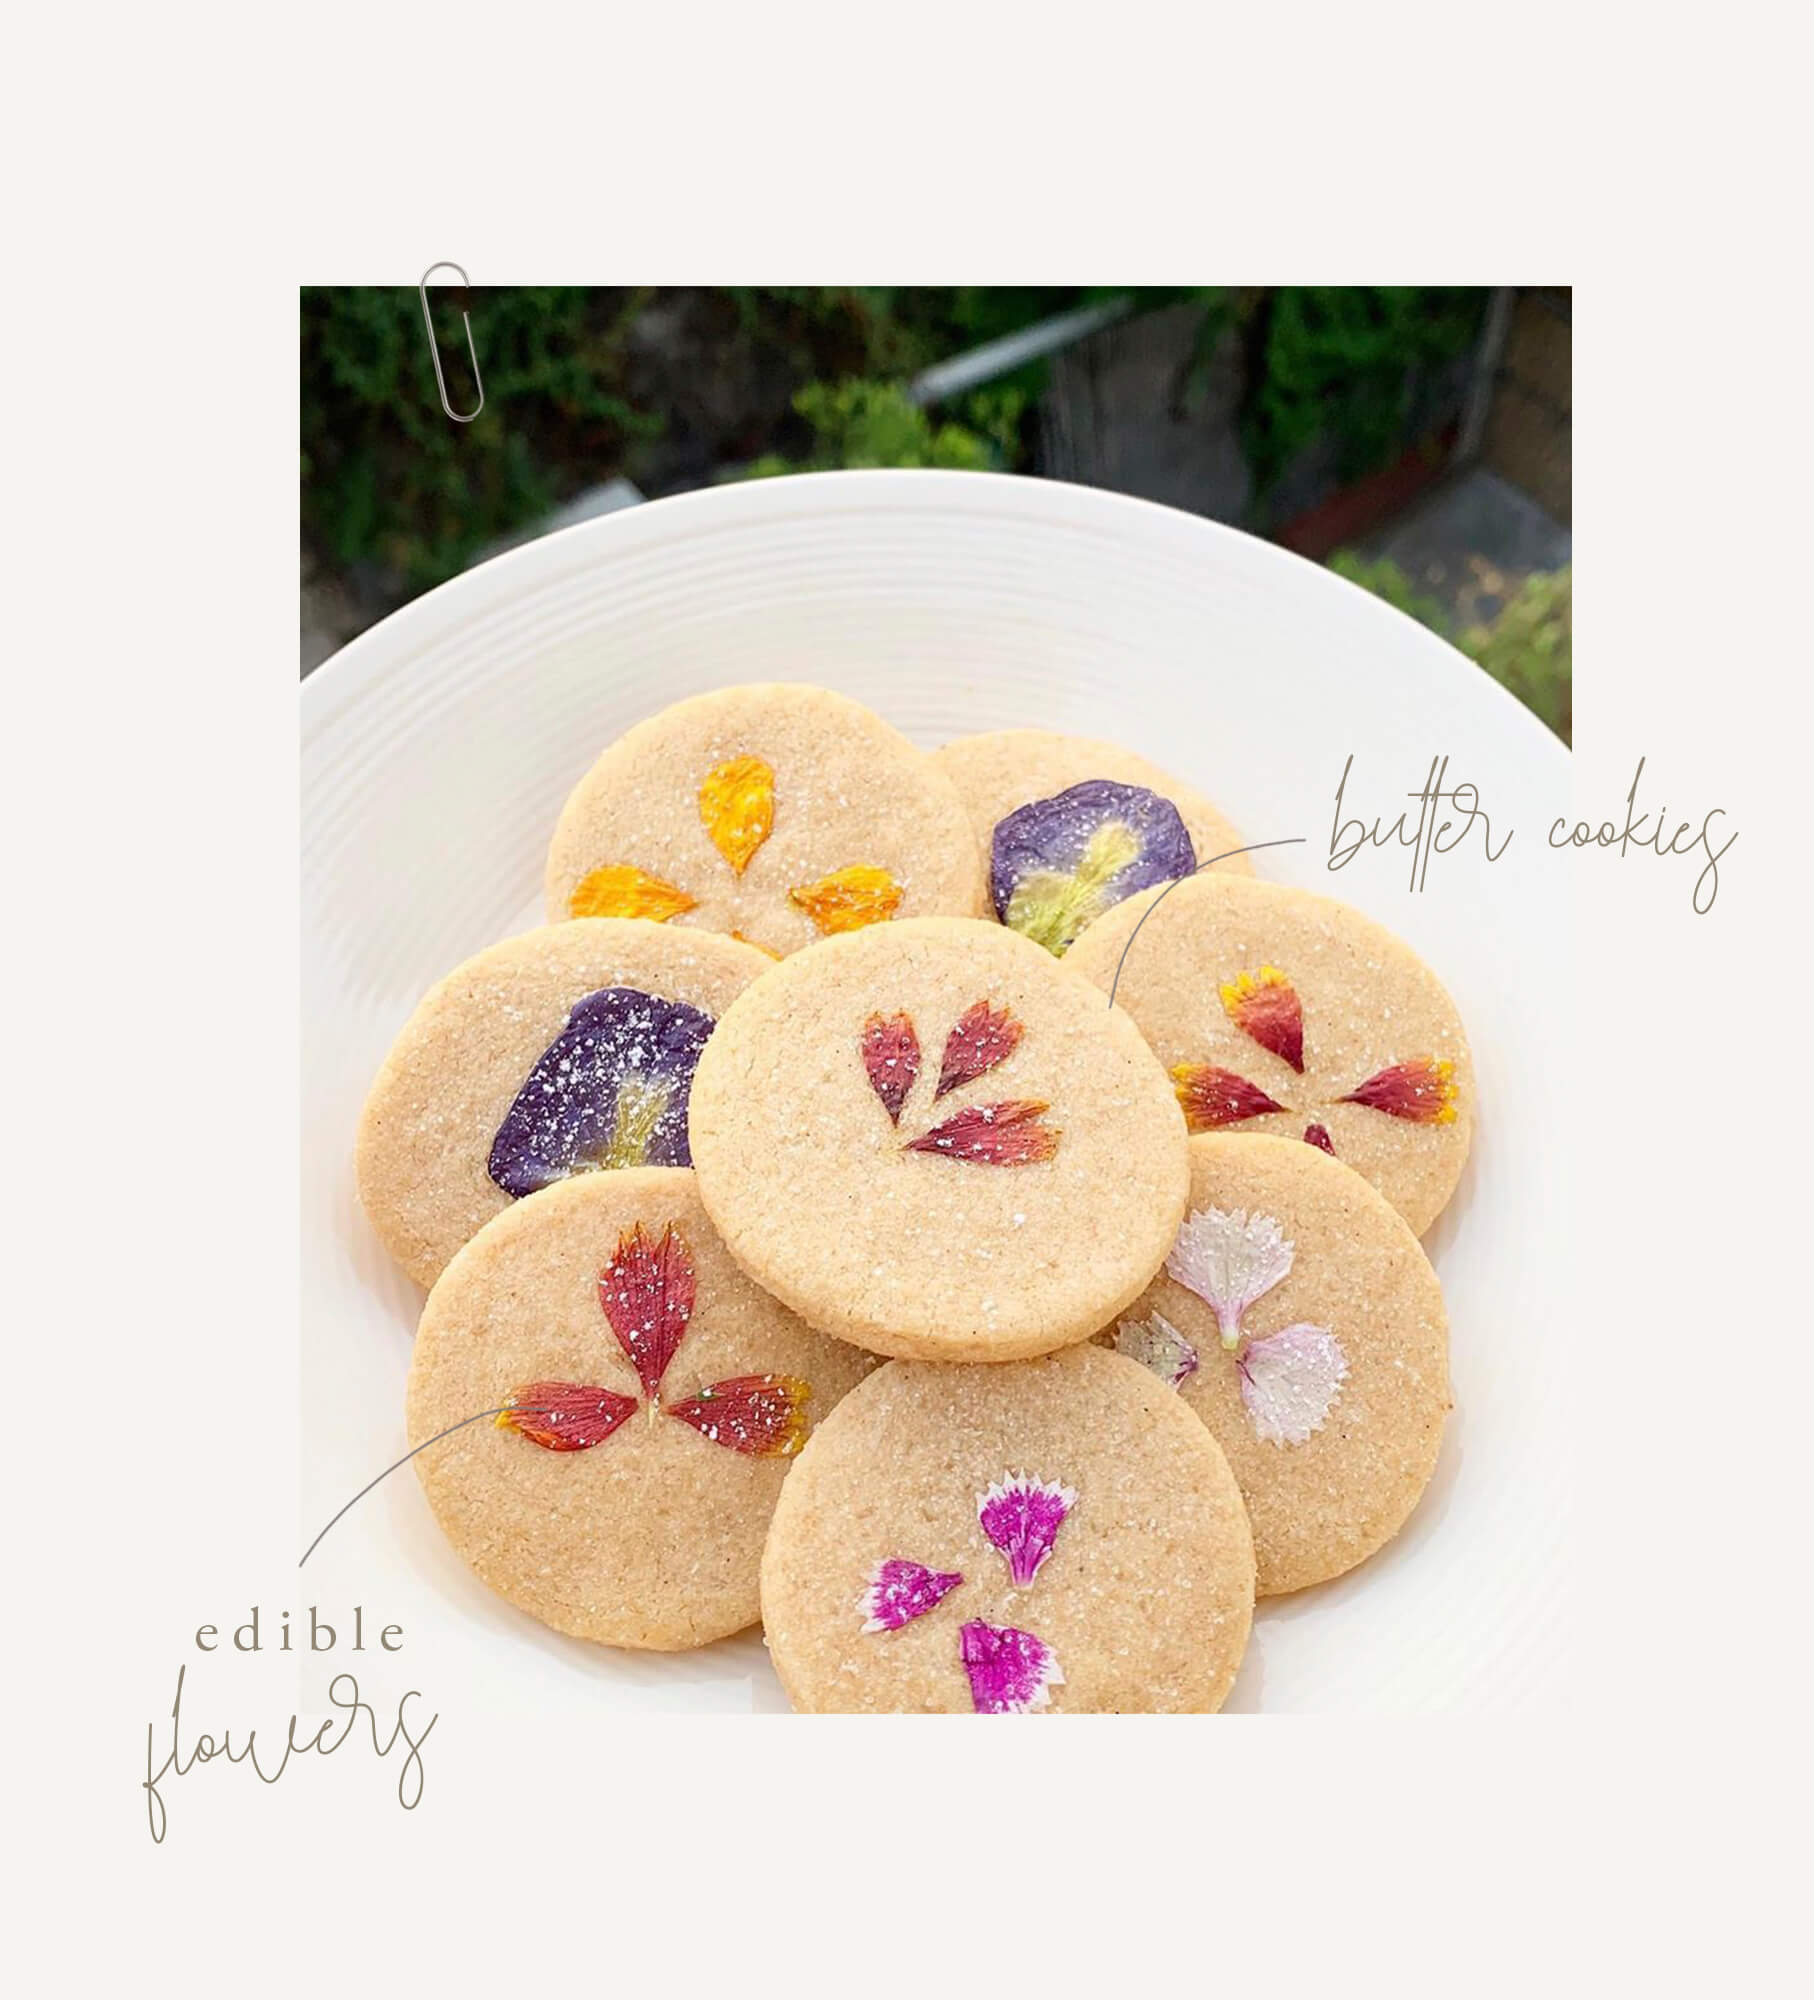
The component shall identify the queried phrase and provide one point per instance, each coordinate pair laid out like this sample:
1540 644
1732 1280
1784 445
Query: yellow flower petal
737 805
617 891
849 899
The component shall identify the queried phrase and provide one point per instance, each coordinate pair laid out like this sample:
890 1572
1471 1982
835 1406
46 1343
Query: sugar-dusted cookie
565 1049
1276 1010
1299 1317
932 1139
1059 1534
1070 827
781 814
648 1400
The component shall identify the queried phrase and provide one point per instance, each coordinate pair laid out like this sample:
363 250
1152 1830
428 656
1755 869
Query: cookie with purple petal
1045 1537
1070 827
560 1052
1300 1319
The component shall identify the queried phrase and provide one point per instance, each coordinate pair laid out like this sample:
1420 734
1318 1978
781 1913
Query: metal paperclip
434 347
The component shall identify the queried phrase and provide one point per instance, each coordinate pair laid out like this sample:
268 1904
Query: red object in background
1358 509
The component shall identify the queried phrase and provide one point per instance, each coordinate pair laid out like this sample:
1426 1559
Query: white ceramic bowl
438 748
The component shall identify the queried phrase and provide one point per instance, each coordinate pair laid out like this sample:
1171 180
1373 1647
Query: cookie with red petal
779 813
1300 1319
559 1052
1276 1010
933 1140
638 1403
1058 1536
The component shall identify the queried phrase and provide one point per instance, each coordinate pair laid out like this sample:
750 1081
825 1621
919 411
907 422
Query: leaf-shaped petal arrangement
983 1037
900 1591
621 891
1156 1344
1289 1381
1011 1134
1229 1258
891 1059
737 807
761 1416
1422 1090
1011 1672
1213 1097
1318 1136
647 1292
848 899
1265 1006
1022 1518
610 1090
565 1416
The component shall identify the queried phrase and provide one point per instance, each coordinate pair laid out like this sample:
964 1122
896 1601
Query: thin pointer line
408 1455
1295 840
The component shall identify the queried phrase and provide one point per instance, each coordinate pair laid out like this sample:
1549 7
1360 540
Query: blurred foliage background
1273 407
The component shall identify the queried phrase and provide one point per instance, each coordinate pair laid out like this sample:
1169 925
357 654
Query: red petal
1422 1090
565 1416
1213 1097
891 1055
647 1293
995 1135
983 1037
1265 1005
762 1416
1318 1135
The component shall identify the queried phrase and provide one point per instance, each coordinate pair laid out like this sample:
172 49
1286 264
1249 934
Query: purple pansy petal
1156 1344
1229 1259
1290 1379
610 1090
1011 1672
1055 865
1022 1517
900 1591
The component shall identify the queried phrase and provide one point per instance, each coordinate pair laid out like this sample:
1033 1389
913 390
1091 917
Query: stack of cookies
944 1206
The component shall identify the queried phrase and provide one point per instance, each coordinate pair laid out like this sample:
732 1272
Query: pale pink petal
900 1591
1022 1518
1156 1344
1289 1380
1229 1259
1011 1672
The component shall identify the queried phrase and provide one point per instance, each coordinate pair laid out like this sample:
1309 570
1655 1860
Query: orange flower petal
617 890
1422 1090
737 804
1011 1134
849 899
1213 1097
762 1416
1265 1005
565 1416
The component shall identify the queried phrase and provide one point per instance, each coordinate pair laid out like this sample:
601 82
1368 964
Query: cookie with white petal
648 1401
1058 1536
933 1140
1070 827
1299 1317
1277 1010
561 1051
779 813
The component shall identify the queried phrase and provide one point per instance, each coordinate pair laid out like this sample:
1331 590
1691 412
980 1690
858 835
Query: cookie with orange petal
1276 1010
932 1139
778 813
1299 1317
638 1402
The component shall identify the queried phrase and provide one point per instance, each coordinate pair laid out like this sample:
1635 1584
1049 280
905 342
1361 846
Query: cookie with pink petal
1300 1319
1041 1537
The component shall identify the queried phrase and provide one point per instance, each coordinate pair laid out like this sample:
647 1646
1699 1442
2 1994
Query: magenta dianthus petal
1022 1518
900 1591
1011 1672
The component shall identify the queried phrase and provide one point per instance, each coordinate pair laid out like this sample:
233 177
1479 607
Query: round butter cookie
1058 1535
566 1049
648 1399
1299 1317
1070 827
932 1139
780 814
1281 1011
